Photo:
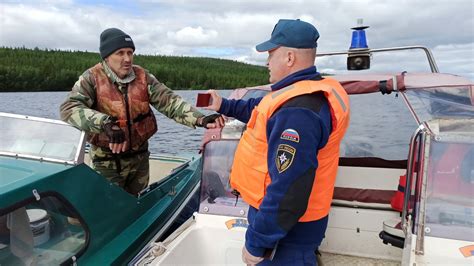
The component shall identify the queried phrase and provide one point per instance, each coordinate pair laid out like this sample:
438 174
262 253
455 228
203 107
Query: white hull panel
355 232
207 241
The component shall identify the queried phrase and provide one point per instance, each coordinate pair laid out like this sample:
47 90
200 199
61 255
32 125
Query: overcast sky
230 28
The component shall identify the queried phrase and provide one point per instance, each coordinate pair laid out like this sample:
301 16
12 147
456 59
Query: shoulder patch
284 157
291 135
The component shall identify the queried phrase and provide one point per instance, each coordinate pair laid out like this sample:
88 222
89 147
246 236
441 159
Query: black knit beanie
113 39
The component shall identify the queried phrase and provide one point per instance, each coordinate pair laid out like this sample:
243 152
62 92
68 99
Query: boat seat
394 227
363 198
370 187
392 233
212 186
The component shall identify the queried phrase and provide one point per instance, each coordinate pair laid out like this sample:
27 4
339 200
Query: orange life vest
445 176
397 200
132 109
250 174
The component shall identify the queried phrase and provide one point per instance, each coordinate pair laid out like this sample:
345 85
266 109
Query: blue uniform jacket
276 221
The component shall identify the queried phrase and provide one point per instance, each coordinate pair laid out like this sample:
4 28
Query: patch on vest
284 157
291 135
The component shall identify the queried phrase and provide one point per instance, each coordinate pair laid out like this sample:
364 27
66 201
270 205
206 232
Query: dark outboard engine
359 53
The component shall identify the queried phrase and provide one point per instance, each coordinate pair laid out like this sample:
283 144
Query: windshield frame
427 200
444 102
79 153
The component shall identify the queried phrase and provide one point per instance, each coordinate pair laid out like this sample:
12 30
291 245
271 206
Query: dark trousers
292 256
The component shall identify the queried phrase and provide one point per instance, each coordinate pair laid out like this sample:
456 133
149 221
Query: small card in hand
203 99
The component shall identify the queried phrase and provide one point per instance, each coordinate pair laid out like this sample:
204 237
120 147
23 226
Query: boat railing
414 148
429 55
420 190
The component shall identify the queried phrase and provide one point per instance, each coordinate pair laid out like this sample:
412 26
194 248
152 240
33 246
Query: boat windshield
41 139
380 126
450 191
40 232
216 193
385 135
443 102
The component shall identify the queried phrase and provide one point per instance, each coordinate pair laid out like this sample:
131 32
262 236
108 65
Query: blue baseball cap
291 33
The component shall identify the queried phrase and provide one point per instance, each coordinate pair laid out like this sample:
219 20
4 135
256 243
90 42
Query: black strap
141 117
383 87
118 164
401 188
137 119
236 194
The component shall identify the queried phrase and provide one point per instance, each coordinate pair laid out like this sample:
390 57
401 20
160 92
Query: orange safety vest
250 174
445 176
140 123
397 200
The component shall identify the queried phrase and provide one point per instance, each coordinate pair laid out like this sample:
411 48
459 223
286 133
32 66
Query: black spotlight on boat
358 57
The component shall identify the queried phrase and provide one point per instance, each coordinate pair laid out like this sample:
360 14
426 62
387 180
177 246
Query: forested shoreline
23 69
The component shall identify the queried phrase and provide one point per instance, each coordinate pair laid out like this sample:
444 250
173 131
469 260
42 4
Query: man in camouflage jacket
111 102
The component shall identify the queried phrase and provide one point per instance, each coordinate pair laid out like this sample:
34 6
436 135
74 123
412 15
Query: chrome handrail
429 55
424 153
409 176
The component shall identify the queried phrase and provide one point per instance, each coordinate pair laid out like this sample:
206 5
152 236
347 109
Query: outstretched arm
239 109
170 104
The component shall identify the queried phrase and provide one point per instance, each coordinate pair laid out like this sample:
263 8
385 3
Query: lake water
171 138
381 125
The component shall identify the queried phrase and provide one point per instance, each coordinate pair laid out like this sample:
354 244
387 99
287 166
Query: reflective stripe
341 102
280 91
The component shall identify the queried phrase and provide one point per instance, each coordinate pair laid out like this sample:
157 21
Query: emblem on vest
284 157
291 135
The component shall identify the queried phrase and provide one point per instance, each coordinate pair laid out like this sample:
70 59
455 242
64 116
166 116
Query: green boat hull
117 225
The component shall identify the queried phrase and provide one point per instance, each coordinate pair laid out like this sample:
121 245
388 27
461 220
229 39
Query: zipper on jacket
127 109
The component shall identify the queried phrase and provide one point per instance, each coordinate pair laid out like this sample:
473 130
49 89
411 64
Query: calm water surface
171 138
381 125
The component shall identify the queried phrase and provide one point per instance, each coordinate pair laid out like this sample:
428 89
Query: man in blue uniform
286 161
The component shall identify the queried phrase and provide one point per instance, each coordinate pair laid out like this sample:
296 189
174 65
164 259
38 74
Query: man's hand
211 121
248 258
116 136
215 102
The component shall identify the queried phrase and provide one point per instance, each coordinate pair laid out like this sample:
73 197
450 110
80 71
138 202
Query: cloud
456 58
46 28
231 29
190 36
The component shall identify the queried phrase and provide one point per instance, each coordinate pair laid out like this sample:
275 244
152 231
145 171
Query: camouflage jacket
79 107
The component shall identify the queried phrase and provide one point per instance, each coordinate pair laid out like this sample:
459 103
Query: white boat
431 144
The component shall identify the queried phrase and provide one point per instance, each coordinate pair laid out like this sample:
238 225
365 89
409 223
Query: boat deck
159 167
330 259
213 243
